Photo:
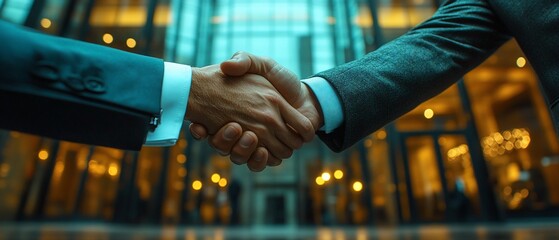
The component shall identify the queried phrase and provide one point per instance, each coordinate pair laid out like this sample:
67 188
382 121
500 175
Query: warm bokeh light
364 19
178 186
319 181
43 155
131 42
500 143
521 62
182 143
46 23
182 172
428 113
331 20
326 176
381 135
181 158
338 174
197 185
222 182
215 178
217 19
357 186
4 169
113 169
107 38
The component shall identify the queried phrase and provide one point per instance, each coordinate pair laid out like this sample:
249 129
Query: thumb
198 131
285 81
239 64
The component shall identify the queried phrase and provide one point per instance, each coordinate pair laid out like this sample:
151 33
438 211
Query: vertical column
489 209
148 28
32 19
45 181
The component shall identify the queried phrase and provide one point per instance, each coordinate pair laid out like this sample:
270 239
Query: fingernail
259 157
245 142
229 133
195 135
234 59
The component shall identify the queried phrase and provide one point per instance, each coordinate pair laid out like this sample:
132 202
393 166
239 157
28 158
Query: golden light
182 143
521 62
364 19
217 19
215 178
357 186
326 176
338 174
107 38
181 158
381 134
331 20
319 181
113 169
181 172
178 186
222 182
428 113
43 155
4 169
131 42
46 23
197 185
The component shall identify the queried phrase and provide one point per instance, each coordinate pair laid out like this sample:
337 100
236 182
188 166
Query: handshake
252 109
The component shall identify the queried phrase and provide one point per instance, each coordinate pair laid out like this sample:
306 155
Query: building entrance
439 180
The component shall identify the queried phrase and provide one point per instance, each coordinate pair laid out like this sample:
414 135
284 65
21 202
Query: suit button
46 71
95 84
74 82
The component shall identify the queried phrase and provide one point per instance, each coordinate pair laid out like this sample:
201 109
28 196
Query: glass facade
485 149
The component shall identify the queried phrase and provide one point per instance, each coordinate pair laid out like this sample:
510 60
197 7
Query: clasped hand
252 109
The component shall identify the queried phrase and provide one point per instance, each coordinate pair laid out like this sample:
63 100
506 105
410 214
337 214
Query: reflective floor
79 231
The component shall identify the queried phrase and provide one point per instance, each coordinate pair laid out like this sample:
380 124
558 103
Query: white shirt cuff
174 99
332 111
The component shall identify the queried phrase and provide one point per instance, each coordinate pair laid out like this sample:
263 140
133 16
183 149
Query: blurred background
485 150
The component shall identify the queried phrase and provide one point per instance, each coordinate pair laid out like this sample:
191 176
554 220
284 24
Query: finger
289 137
273 161
285 133
258 160
244 148
237 65
276 147
226 137
198 131
301 124
285 81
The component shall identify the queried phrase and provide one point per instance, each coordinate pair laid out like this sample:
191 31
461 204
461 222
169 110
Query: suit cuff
174 99
329 101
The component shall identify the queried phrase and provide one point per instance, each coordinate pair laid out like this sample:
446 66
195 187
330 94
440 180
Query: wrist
315 116
192 106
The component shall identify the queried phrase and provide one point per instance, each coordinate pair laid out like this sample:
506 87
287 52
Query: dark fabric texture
395 78
76 91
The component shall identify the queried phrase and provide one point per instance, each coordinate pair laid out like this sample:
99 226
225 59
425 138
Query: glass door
440 184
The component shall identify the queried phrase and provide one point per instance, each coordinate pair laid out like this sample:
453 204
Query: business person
361 96
87 93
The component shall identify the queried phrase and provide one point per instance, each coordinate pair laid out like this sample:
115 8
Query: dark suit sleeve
76 91
397 77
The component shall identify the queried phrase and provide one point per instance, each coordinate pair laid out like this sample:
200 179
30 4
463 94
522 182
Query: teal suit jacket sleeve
76 91
397 77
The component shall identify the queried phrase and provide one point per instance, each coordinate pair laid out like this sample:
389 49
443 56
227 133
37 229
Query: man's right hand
287 83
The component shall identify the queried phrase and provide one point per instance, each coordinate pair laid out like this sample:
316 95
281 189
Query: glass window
443 112
517 135
15 11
